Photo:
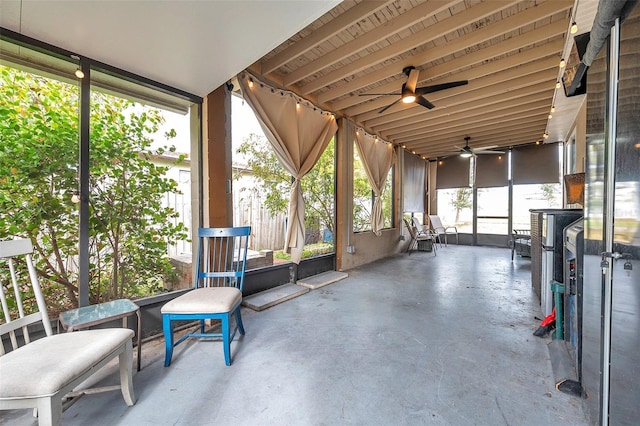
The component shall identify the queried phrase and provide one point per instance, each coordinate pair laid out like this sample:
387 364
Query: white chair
38 374
422 229
417 237
439 229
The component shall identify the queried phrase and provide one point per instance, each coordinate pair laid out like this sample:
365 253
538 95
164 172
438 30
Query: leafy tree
461 199
548 193
129 226
274 182
362 196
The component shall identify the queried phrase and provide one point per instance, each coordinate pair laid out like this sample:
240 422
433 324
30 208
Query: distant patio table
88 316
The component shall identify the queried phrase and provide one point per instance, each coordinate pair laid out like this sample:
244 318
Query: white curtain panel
377 157
299 133
413 183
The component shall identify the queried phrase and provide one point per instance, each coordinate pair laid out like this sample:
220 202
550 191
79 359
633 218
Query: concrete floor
410 340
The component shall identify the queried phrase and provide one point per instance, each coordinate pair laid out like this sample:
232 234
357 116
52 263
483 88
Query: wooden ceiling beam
402 22
503 63
482 138
516 104
417 39
426 129
481 89
499 49
506 25
422 113
326 31
506 122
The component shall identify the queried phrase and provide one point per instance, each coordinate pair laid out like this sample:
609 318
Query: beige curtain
377 157
299 133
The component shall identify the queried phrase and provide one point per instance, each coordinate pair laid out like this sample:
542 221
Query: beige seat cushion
204 300
44 366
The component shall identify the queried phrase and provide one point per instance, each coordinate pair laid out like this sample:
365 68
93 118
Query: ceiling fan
467 152
412 94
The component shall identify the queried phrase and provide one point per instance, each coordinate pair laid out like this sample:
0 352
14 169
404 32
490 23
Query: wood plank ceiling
508 51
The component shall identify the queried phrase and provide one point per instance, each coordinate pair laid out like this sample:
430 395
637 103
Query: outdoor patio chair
419 239
520 243
422 229
39 372
222 256
440 230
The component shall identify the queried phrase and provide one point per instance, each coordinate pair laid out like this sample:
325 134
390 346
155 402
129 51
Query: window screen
536 164
414 173
453 172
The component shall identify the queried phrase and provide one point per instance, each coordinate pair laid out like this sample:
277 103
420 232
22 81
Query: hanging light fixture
79 73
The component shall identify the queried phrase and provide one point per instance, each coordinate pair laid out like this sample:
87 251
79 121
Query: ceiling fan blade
424 102
412 80
485 148
389 106
379 94
488 152
439 87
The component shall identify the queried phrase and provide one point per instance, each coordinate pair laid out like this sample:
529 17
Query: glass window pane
455 208
261 190
362 195
39 173
140 193
534 196
493 210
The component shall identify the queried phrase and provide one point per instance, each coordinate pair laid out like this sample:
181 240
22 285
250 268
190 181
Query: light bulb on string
574 27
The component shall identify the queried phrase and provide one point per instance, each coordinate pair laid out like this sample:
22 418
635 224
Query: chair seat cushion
44 366
204 300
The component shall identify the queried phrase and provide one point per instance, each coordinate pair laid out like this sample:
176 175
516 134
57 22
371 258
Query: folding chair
416 238
439 229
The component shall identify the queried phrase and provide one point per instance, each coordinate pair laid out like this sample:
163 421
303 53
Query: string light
550 116
562 63
553 108
574 27
558 85
250 83
79 73
546 135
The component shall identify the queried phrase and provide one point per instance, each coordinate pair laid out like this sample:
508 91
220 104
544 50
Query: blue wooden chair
222 255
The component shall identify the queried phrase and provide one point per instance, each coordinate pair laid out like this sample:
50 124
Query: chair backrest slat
15 254
222 256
